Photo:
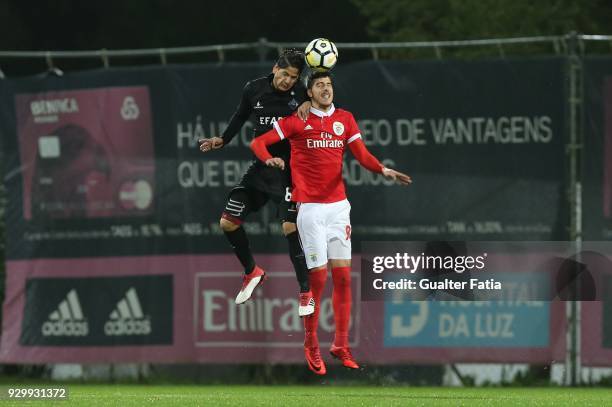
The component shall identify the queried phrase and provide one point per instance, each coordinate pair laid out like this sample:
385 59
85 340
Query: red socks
341 299
317 279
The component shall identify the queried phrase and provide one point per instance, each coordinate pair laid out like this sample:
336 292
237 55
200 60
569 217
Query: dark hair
291 58
316 75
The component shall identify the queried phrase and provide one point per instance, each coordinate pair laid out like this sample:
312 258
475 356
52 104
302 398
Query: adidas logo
67 319
128 318
308 127
258 105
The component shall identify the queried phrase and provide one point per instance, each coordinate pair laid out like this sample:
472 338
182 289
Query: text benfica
446 284
325 143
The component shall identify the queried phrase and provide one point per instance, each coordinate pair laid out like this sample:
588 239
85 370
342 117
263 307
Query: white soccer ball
321 54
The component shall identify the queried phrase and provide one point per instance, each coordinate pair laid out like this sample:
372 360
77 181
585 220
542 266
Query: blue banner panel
476 324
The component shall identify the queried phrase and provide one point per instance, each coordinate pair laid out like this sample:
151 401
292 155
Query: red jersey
317 149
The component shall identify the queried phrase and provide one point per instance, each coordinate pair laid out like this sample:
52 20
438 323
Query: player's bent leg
240 203
296 254
254 275
237 238
227 225
341 300
289 228
317 278
288 211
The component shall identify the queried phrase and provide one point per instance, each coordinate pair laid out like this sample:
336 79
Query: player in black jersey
266 99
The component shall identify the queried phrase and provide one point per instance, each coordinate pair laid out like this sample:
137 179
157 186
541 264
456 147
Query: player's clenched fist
276 162
207 144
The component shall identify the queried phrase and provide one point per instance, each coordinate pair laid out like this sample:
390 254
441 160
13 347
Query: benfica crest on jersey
338 128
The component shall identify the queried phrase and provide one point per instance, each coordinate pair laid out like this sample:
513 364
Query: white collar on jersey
321 113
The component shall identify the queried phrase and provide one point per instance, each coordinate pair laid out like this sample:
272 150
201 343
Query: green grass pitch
320 395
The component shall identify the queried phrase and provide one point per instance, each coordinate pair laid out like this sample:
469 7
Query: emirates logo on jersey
327 141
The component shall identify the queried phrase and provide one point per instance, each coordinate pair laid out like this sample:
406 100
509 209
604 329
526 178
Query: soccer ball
321 54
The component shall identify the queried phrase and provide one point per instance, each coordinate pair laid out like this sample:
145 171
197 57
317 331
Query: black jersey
261 101
266 104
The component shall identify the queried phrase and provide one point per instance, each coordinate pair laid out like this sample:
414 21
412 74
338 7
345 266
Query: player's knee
340 263
227 225
289 228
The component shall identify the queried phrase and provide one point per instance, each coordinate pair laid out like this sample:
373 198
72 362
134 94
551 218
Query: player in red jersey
317 149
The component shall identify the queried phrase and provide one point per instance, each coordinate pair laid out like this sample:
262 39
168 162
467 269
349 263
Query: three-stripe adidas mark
127 318
67 319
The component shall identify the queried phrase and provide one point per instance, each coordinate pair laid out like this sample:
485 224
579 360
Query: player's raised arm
260 144
239 117
366 159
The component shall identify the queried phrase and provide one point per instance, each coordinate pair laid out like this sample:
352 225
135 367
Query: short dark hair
316 75
291 58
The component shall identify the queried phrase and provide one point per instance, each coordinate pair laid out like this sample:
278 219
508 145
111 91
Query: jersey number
348 232
287 194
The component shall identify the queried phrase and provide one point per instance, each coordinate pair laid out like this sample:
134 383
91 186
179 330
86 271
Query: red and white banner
181 309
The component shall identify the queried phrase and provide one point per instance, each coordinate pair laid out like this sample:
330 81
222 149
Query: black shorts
244 200
259 185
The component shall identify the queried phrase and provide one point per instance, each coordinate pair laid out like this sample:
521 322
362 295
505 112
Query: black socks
239 242
299 261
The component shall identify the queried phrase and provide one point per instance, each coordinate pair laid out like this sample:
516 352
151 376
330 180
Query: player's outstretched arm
365 158
240 116
208 144
400 177
370 162
260 144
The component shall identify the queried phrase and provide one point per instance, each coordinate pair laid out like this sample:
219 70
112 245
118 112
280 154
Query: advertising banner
106 163
90 153
68 311
596 330
181 309
269 319
467 324
596 185
597 136
108 195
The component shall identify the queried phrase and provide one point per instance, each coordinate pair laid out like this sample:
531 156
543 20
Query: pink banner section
208 327
89 153
596 334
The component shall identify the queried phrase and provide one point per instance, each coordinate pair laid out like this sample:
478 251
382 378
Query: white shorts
325 231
